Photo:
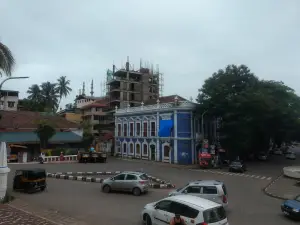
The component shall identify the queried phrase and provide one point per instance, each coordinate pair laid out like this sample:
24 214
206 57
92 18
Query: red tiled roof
92 105
164 99
29 120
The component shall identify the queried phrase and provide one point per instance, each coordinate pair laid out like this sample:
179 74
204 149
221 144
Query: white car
192 209
290 156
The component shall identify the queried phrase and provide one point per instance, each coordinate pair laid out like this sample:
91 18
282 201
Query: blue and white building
164 131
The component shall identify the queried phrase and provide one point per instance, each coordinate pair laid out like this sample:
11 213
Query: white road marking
233 174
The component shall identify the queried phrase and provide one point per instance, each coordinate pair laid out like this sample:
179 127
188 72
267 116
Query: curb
146 161
265 190
79 177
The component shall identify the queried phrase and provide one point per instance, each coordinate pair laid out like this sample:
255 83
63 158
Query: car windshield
214 215
144 177
179 189
236 163
297 198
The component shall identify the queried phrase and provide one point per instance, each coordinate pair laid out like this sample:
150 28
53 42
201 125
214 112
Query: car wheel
147 220
106 189
136 191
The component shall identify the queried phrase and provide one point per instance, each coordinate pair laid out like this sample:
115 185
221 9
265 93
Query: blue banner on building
165 128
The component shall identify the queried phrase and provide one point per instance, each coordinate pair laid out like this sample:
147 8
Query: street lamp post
4 170
202 123
11 78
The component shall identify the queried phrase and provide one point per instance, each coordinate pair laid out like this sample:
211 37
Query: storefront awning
31 137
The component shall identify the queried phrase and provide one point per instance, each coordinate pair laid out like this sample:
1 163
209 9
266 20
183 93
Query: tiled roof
31 137
92 105
164 99
27 119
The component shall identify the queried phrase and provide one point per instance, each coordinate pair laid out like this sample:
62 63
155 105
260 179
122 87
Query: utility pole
202 123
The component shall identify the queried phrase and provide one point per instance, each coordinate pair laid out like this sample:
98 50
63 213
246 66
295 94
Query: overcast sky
188 39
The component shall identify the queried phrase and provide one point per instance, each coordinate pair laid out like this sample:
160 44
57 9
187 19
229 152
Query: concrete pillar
157 138
4 170
175 138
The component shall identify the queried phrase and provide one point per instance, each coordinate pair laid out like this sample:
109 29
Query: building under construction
128 87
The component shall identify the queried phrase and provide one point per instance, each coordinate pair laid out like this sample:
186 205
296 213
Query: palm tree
49 95
34 93
7 60
63 88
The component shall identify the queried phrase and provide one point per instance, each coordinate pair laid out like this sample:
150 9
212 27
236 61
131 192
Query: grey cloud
188 39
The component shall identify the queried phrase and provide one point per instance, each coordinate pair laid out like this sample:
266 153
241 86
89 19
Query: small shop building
18 128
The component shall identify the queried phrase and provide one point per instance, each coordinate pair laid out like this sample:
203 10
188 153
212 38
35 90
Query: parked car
288 152
134 182
192 209
262 156
209 189
237 166
291 208
290 156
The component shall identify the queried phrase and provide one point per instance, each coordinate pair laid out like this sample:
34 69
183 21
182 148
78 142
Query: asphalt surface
248 205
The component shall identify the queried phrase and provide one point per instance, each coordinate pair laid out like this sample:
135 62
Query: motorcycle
41 160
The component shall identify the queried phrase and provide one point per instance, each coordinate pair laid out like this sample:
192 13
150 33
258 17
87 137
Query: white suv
194 211
212 190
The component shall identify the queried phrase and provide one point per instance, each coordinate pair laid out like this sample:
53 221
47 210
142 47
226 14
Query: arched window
124 147
138 149
145 149
131 148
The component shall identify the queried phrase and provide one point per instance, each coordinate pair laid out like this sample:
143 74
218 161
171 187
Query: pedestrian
62 158
177 220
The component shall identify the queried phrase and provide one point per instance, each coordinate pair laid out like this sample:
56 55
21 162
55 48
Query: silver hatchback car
209 189
135 182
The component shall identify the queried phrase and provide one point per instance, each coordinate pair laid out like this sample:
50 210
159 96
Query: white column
193 138
175 136
157 138
4 170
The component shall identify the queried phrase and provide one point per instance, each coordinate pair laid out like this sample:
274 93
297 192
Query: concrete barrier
292 171
56 159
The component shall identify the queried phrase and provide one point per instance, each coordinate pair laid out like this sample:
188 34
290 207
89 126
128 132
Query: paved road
273 167
84 201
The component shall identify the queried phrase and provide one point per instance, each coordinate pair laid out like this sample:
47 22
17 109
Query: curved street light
11 78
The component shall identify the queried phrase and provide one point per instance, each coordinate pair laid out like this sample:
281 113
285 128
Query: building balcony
106 122
91 113
114 99
116 80
115 89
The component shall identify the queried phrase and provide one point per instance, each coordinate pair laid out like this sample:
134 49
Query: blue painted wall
184 125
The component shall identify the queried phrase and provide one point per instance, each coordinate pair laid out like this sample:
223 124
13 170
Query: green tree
253 111
30 105
49 96
44 132
34 93
88 137
63 87
7 60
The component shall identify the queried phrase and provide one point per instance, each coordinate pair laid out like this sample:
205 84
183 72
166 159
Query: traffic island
91 177
283 188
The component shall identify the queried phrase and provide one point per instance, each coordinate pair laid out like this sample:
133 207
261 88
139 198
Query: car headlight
296 210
